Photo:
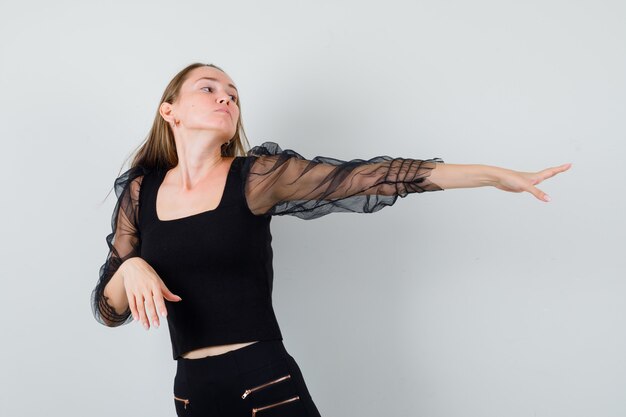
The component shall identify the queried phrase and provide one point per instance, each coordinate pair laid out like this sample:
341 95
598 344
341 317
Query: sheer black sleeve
279 182
123 242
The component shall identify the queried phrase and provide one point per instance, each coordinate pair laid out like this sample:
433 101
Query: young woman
191 240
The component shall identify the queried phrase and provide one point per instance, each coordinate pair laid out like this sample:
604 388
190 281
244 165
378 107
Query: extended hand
516 181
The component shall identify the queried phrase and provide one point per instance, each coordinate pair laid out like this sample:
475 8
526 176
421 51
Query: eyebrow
215 79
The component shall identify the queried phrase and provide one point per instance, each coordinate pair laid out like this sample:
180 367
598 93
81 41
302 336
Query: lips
224 111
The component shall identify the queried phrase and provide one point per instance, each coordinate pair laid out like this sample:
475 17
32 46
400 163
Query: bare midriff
214 350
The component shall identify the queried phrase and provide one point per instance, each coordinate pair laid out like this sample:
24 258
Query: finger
168 294
539 194
551 172
142 311
160 304
132 305
151 311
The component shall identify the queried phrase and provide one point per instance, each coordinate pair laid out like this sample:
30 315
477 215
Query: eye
233 97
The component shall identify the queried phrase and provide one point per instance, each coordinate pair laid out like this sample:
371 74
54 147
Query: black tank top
219 262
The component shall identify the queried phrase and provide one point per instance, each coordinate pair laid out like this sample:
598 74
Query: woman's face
208 100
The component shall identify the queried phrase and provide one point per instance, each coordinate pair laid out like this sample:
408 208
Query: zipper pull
256 410
184 400
248 391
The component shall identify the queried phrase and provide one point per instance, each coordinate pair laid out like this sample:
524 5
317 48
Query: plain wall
458 303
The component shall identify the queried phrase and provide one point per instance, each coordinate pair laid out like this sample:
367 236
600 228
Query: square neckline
159 182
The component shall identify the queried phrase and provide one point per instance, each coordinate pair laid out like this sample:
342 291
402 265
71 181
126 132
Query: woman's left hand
516 181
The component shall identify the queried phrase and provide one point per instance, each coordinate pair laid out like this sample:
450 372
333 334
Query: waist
230 364
214 350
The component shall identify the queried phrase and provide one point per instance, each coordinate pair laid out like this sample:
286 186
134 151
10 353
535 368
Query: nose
221 100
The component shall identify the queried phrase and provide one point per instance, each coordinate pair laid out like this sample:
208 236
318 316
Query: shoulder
132 173
271 154
266 148
131 179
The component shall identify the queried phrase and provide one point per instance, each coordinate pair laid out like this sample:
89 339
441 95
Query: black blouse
273 182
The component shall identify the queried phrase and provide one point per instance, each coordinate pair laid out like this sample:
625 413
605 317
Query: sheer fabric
282 182
273 182
124 242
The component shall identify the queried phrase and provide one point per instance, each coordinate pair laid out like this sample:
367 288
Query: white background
464 302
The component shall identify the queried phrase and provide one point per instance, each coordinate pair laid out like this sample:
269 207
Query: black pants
258 380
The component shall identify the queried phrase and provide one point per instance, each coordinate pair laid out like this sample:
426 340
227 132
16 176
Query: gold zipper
186 401
255 410
251 390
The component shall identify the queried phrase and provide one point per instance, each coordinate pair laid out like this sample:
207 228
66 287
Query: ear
165 110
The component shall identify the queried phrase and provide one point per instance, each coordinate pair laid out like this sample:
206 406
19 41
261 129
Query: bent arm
108 298
114 302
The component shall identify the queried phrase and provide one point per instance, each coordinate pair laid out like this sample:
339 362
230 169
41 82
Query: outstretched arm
278 182
449 176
